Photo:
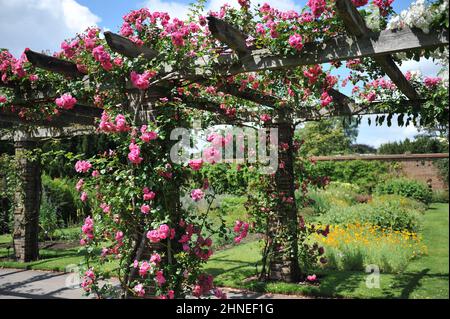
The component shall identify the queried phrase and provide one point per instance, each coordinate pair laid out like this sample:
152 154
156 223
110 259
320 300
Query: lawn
425 277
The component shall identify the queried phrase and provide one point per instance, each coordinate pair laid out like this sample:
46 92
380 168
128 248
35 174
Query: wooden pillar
26 202
283 256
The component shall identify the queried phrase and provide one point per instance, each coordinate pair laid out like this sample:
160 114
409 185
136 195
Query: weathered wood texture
343 48
53 64
127 47
27 201
356 26
79 115
229 35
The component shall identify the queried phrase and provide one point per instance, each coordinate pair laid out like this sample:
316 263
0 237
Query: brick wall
414 166
423 171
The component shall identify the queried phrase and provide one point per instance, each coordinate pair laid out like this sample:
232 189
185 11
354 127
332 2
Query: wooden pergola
359 42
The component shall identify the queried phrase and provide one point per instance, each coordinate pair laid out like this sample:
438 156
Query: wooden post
26 203
283 256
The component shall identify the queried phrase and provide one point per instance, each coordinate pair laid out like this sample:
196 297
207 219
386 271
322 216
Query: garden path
36 284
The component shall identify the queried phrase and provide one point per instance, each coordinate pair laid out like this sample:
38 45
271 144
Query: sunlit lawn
425 277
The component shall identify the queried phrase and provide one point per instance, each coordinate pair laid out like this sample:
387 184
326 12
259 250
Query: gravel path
36 284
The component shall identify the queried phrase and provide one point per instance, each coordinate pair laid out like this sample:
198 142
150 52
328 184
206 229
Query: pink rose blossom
153 236
295 41
196 164
155 258
160 279
164 231
66 101
144 268
197 195
134 155
119 236
105 207
139 289
82 166
84 197
148 136
95 173
317 7
265 118
145 209
431 82
148 194
142 81
79 185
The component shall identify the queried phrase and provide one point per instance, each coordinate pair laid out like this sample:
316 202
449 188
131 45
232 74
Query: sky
44 24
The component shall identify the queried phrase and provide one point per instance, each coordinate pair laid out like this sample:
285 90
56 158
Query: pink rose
82 166
145 209
66 101
196 164
197 194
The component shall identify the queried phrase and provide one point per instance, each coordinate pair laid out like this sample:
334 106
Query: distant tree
327 137
362 149
424 143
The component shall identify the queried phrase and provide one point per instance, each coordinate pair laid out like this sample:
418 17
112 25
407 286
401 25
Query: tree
327 137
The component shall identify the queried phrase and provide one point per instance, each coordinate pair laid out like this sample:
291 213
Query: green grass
425 277
51 258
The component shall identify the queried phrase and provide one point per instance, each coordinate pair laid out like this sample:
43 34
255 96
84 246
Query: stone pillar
26 203
283 257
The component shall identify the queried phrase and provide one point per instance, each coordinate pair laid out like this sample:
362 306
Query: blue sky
43 24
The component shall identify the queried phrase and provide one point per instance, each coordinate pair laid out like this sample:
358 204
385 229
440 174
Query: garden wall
414 166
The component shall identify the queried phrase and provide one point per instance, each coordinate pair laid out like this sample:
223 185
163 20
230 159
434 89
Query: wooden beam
81 115
250 95
40 133
128 48
342 48
53 64
229 35
356 26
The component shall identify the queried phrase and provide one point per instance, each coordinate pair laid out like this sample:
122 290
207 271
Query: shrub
61 193
442 166
383 214
354 246
406 187
336 194
440 196
364 174
48 219
403 202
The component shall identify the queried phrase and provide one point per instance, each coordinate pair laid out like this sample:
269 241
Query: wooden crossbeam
127 47
53 64
229 35
356 26
250 95
79 115
343 48
41 133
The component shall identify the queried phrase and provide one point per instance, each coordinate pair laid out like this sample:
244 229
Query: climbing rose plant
134 188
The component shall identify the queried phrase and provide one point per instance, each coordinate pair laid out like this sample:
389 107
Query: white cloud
180 10
283 5
376 135
174 8
41 24
426 66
